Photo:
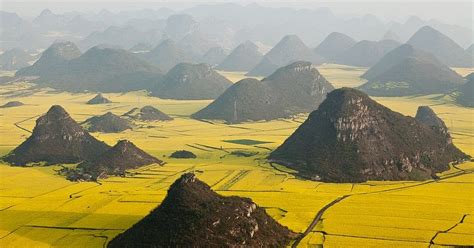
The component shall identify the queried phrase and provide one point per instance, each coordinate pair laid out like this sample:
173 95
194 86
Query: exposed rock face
12 104
56 138
115 161
107 123
147 113
366 53
52 59
99 99
408 71
427 116
288 50
465 92
183 154
193 214
167 55
352 138
443 47
296 88
334 44
14 59
243 58
192 82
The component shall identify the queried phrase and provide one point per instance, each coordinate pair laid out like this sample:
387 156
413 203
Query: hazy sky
455 12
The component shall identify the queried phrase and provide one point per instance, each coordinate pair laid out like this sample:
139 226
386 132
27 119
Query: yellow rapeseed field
39 208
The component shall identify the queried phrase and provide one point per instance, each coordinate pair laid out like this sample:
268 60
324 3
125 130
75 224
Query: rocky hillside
390 35
465 92
193 214
147 113
443 47
334 44
214 56
470 50
296 88
107 123
115 161
408 71
243 58
12 104
56 138
192 82
427 116
52 60
395 57
352 138
167 55
101 68
288 50
15 59
98 99
366 53
183 154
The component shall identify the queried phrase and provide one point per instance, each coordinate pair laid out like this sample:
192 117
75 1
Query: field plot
39 208
342 75
236 76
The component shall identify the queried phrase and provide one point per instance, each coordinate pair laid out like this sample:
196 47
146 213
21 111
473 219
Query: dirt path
316 220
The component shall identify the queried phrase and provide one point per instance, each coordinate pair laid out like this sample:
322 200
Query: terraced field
39 208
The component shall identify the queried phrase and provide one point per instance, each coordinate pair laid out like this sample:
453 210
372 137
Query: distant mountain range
334 44
465 92
52 60
243 58
443 47
15 59
365 53
100 68
290 49
107 69
167 55
225 25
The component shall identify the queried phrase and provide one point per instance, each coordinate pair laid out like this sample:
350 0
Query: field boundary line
449 229
74 228
233 180
17 124
322 210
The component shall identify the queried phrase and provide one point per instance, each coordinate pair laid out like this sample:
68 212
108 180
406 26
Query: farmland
40 208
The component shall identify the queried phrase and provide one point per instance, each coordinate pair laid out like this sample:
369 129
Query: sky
452 12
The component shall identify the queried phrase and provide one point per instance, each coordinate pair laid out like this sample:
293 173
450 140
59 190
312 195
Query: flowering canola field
39 208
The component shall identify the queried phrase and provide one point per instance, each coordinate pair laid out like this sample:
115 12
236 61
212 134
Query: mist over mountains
225 24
